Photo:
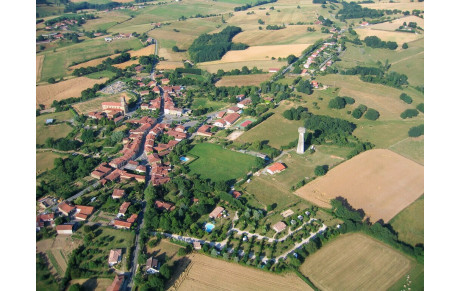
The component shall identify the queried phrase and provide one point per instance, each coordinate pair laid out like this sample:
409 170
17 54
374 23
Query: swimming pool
183 159
209 227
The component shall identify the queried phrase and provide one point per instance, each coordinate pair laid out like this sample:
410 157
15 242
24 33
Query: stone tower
300 145
123 105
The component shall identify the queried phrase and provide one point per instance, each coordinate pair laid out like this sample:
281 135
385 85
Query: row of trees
375 42
258 3
340 102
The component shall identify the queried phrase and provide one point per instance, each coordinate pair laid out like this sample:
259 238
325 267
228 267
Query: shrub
320 170
420 107
349 100
51 80
416 131
337 103
372 114
409 113
406 98
405 46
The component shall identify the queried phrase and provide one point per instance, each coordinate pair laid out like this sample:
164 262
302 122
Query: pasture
55 131
396 36
277 130
355 262
379 181
411 148
395 24
39 66
401 5
243 80
45 160
206 103
46 94
205 273
218 164
409 223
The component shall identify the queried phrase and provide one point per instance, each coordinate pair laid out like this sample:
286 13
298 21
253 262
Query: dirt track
379 181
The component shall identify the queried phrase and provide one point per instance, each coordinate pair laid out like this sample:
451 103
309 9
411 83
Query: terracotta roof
65 207
152 263
218 210
124 207
132 218
116 284
118 193
81 216
276 167
64 227
231 118
236 194
85 209
121 223
114 255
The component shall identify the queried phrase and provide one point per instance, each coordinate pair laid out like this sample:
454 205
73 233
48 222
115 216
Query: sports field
409 223
46 94
355 262
205 273
219 164
379 181
243 80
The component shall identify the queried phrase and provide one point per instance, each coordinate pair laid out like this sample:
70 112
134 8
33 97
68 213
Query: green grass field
55 131
219 164
411 148
409 223
206 103
45 160
102 74
277 130
416 278
56 63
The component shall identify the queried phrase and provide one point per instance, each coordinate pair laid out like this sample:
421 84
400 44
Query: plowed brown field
379 181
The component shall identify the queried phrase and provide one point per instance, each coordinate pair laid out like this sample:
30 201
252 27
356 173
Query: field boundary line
54 262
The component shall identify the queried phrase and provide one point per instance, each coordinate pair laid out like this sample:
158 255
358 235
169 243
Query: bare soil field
60 247
65 89
264 65
395 24
263 52
205 273
243 80
95 284
355 262
398 37
379 181
39 66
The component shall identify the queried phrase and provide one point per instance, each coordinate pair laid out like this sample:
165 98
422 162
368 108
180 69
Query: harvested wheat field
355 262
126 64
39 66
243 80
398 37
379 181
169 65
205 273
263 52
64 89
402 5
395 24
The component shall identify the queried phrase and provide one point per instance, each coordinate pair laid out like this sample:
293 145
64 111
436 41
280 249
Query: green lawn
219 164
412 148
409 223
102 74
416 276
55 131
206 103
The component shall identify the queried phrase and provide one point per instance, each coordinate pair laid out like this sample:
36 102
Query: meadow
45 160
411 148
398 37
243 80
264 65
355 262
206 103
218 164
409 223
55 131
371 181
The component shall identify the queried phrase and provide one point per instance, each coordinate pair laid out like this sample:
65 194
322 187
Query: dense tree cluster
353 10
275 27
416 131
378 75
258 3
359 111
81 19
375 42
406 98
304 86
325 128
244 71
420 107
409 113
75 6
210 47
296 113
372 114
321 170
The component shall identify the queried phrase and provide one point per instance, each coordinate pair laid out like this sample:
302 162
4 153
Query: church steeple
123 105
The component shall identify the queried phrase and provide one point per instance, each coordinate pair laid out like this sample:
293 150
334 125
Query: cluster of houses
226 118
314 55
62 25
118 36
111 110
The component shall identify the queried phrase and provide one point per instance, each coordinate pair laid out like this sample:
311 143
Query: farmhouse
122 224
66 208
117 283
315 84
279 226
152 266
118 193
132 218
197 245
231 118
114 257
216 213
45 220
204 130
244 103
164 205
64 229
234 109
276 168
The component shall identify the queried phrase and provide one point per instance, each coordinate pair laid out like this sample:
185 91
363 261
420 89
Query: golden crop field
205 273
379 181
46 94
395 24
402 5
292 34
263 52
243 80
265 65
39 66
398 37
355 262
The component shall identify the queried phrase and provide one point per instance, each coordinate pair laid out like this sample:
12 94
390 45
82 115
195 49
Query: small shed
49 121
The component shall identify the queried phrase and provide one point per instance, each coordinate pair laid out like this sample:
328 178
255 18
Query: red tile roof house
83 212
132 218
66 208
117 283
279 226
273 70
122 224
220 114
233 109
231 118
276 168
118 193
64 229
217 212
180 128
123 208
315 84
220 123
204 130
164 205
244 103
152 266
236 194
114 257
45 219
